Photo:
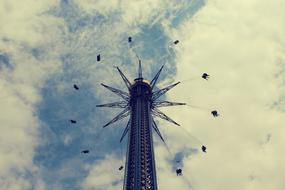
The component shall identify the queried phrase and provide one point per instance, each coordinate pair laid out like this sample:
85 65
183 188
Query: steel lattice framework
141 104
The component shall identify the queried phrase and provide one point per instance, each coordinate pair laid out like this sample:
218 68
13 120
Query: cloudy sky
47 46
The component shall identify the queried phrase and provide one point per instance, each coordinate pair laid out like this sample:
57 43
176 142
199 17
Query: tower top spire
140 70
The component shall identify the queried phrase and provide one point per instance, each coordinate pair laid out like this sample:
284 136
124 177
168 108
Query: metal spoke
120 93
125 79
166 104
161 115
121 104
157 94
126 130
157 130
154 80
123 114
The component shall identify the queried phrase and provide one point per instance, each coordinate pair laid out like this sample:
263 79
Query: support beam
121 115
118 92
166 104
121 104
157 130
157 94
126 130
125 79
154 80
161 115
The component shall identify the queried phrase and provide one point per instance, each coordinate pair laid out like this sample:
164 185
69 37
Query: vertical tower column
140 171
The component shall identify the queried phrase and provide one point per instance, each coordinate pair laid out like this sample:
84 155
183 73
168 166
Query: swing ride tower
141 104
140 166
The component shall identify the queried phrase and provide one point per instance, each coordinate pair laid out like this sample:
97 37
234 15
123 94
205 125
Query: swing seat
179 172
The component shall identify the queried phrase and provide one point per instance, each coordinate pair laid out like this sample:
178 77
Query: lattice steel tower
141 104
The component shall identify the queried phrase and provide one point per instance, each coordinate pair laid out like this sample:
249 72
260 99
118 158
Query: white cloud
140 12
100 6
104 175
135 13
23 26
21 21
238 44
132 12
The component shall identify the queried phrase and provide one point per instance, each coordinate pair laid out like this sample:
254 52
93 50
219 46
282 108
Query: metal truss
126 130
120 93
166 104
121 104
161 115
157 94
154 80
121 115
154 126
125 79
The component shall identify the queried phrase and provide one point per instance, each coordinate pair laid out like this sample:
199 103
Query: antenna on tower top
140 69
134 51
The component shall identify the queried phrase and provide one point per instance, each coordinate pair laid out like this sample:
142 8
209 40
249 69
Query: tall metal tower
141 104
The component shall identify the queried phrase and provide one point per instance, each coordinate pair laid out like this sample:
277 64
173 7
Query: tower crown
140 81
140 87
